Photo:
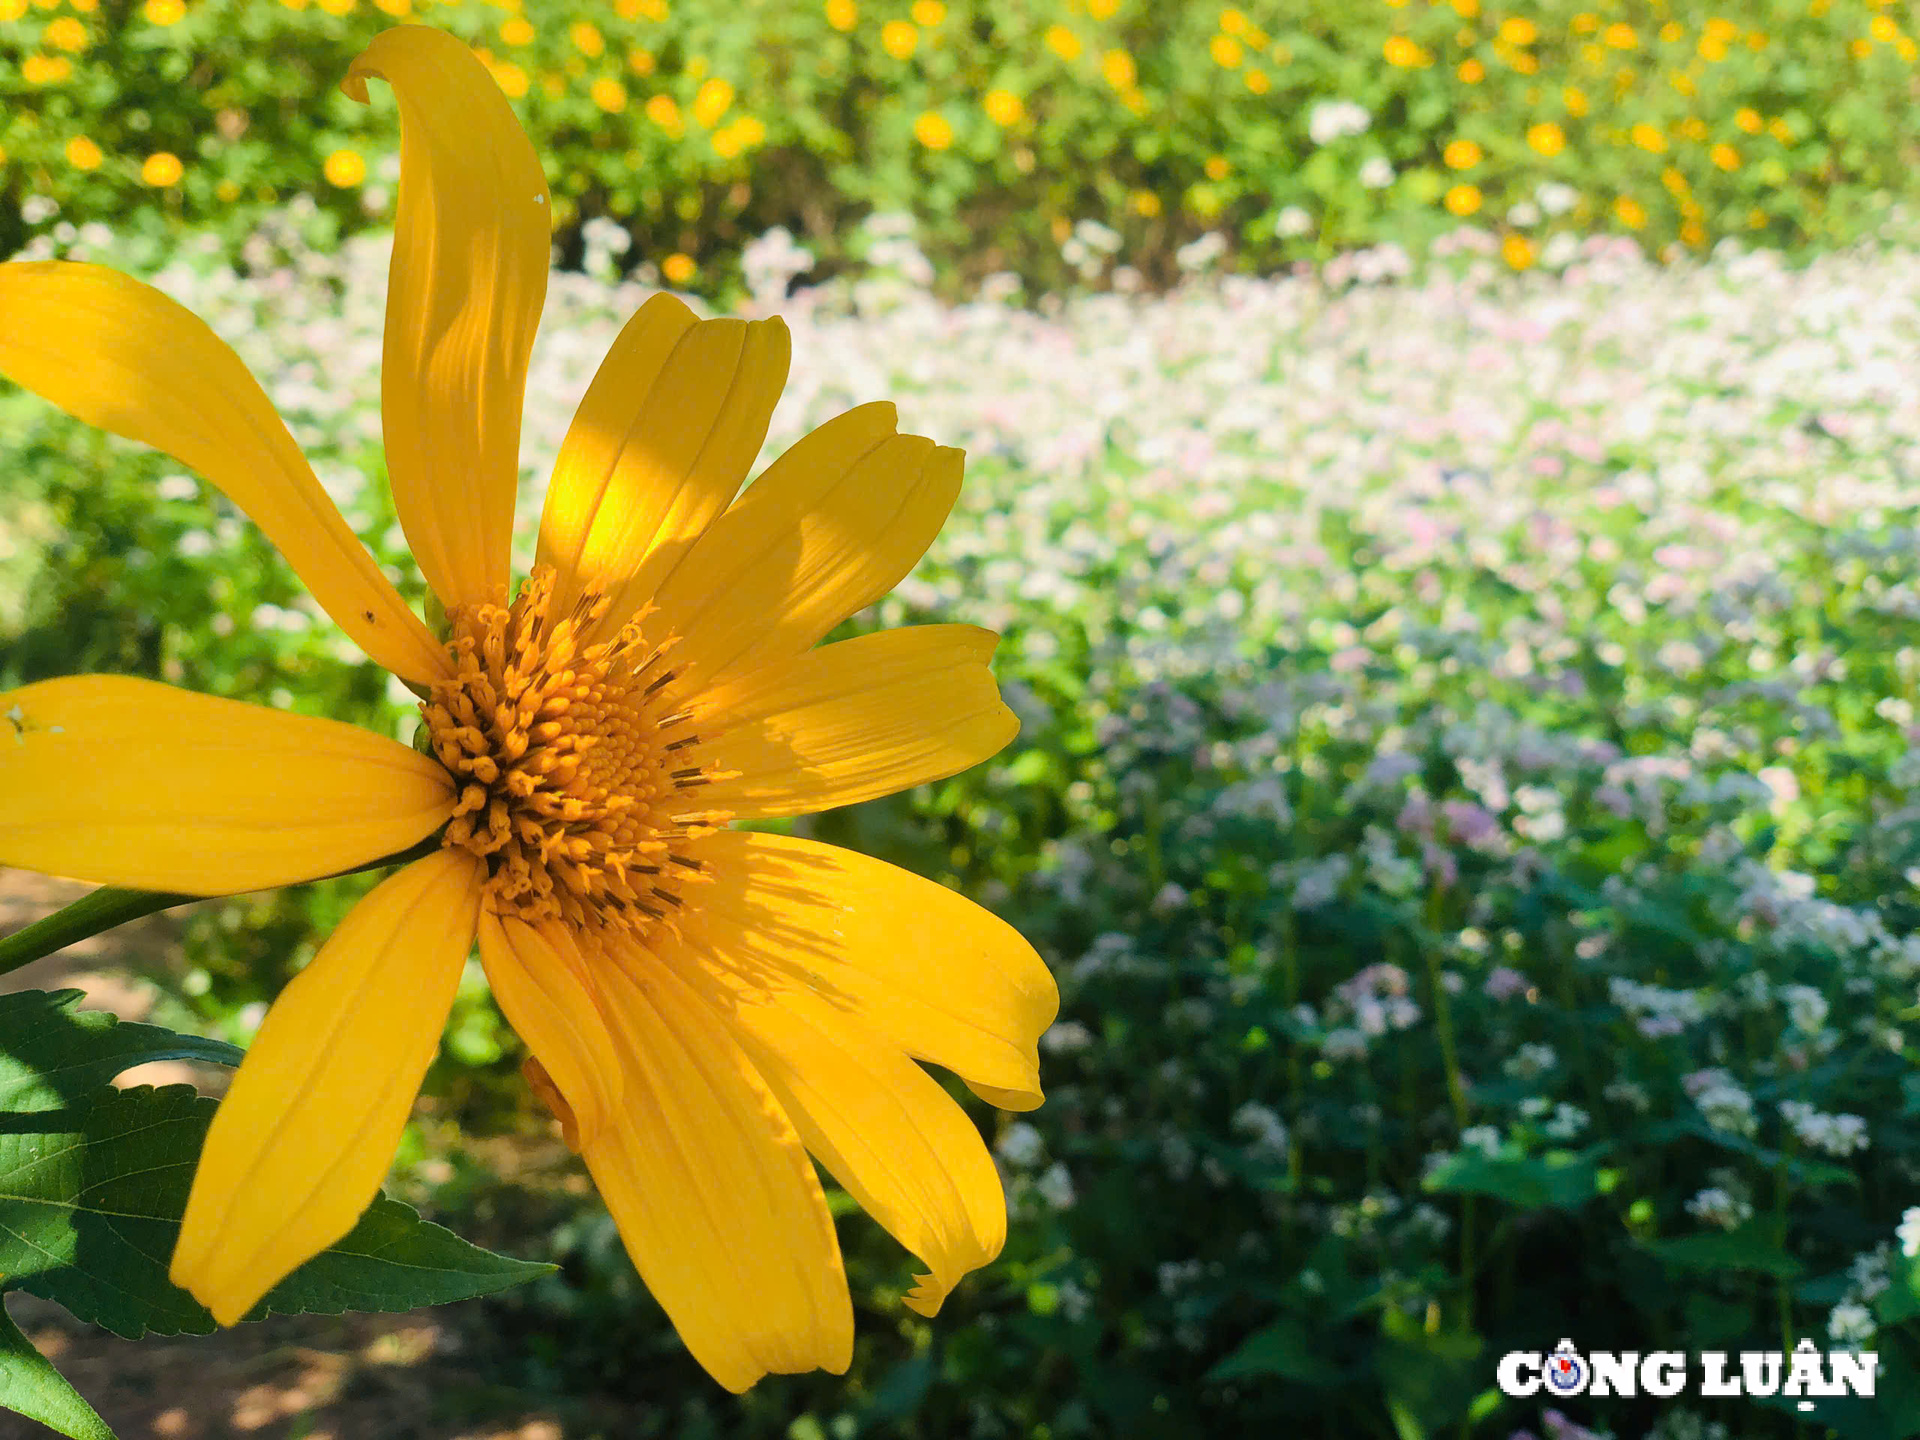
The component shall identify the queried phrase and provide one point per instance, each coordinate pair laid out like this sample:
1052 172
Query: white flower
1717 1207
1329 120
1376 172
1066 1036
1806 1007
1483 1138
1524 215
1850 1324
1056 1187
1020 1144
1909 1232
1556 198
1291 222
1197 255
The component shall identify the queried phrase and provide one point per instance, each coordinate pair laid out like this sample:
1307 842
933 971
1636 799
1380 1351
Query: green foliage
1000 126
30 1386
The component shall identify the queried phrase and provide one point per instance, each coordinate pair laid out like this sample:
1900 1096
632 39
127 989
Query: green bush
999 127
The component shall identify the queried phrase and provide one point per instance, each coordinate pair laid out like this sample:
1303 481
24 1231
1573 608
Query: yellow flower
702 1004
1461 155
1144 203
83 154
1575 100
1620 37
511 79
1860 49
1517 251
1748 119
12 9
1906 49
1585 23
899 39
337 7
1516 30
842 15
1463 200
751 129
712 100
928 13
1117 69
226 192
1227 52
1404 54
1003 107
162 169
45 69
1725 156
640 61
1135 101
66 33
163 12
1466 9
1780 130
1883 29
1217 167
516 31
1630 212
1648 138
610 95
1471 71
1675 182
1692 128
587 39
1547 138
1232 22
1063 42
931 129
398 9
1673 32
344 168
1257 81
662 111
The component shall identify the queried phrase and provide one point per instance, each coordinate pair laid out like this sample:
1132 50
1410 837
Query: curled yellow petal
297 1148
469 275
134 783
120 355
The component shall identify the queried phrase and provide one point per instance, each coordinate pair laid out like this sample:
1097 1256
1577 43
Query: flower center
576 776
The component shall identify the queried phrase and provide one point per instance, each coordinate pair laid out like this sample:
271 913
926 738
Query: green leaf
1526 1182
1744 1249
1283 1349
30 1386
52 1055
90 1205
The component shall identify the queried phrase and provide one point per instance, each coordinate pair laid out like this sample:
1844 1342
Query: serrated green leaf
52 1055
90 1205
30 1386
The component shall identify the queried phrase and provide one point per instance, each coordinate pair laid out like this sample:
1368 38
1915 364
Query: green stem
102 909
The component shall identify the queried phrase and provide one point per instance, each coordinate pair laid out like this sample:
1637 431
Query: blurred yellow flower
344 169
1547 138
1882 28
1003 107
678 269
1232 22
1720 28
552 86
1218 167
398 9
1463 200
1063 42
928 13
1620 37
12 9
1906 49
587 39
161 170
1673 32
899 39
1227 52
1466 9
1860 49
842 15
1756 40
1404 54
1257 81
1748 119
1692 128
163 12
1575 99
1471 72
1756 219
337 7
1648 138
1675 182
1521 60
711 101
1103 9
516 31
1461 155
511 79
726 142
1725 156
1134 101
1517 30
83 154
1780 130
662 111
1585 23
931 129
1517 251
1630 212
751 129
45 69
1204 201
655 10
610 95
640 61
1117 69
66 33
226 192
1144 203
1693 233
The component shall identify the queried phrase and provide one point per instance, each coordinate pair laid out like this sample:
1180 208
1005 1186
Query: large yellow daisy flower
704 1006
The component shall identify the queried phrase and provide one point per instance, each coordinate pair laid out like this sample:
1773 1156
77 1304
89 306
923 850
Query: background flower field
1469 785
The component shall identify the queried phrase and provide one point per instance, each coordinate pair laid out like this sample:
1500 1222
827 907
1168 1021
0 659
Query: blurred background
1445 475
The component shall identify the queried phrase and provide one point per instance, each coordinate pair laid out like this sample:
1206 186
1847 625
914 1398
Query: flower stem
108 906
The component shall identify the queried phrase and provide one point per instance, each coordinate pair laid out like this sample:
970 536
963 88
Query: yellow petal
134 783
855 720
659 446
885 1129
297 1149
940 977
469 275
712 1190
543 986
830 527
119 355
